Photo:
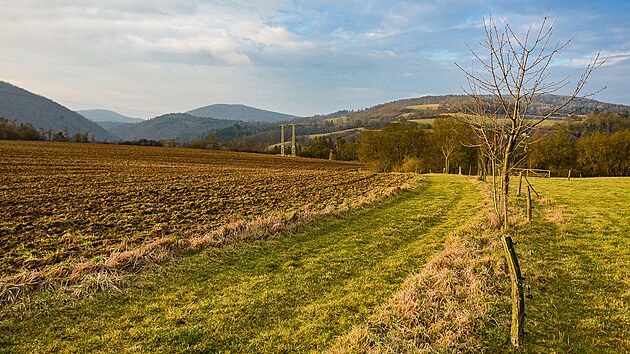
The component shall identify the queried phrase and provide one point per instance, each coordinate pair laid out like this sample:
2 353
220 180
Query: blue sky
144 58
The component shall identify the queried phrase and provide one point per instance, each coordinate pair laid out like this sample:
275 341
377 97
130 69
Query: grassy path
285 294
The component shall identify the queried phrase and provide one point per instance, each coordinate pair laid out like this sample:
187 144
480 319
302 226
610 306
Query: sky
146 58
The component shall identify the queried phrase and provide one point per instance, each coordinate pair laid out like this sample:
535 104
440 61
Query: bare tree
513 76
449 136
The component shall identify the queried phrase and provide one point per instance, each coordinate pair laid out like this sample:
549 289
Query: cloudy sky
144 58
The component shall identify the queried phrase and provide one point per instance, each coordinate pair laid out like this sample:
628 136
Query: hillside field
69 209
290 294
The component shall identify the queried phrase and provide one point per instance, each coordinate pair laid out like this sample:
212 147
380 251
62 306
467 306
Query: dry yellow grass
447 306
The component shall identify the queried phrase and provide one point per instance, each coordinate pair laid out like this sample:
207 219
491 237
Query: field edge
32 292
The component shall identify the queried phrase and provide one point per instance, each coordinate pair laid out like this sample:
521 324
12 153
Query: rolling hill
104 115
240 112
26 107
426 108
181 126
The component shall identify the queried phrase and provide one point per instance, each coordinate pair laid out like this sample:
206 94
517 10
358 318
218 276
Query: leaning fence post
518 300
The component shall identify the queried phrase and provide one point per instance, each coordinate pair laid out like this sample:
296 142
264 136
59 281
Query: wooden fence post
520 181
518 298
569 176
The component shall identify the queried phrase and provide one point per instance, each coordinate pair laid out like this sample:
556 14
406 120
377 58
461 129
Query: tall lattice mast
282 140
293 147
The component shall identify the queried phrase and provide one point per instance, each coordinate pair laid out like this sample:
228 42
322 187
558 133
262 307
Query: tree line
595 145
10 130
411 148
598 145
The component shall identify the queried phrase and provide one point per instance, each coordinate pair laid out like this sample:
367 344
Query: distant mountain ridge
105 115
240 112
45 114
232 121
181 126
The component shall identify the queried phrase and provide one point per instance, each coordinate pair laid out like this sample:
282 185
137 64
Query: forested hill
104 115
23 107
417 109
181 126
240 112
350 125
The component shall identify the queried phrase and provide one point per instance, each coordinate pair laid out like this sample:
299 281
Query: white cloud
383 54
136 30
611 58
281 52
274 36
236 58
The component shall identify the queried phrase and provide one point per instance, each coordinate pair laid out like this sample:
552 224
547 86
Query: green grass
338 132
423 120
576 259
285 294
545 123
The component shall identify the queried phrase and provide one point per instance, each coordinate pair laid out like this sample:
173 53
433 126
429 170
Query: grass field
546 123
338 132
576 259
337 120
421 107
285 294
70 208
423 120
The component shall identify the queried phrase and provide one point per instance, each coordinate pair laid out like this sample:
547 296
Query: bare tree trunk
495 194
520 182
529 206
507 164
481 167
518 298
506 224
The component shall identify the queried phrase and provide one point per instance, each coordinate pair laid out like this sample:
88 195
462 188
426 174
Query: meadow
576 259
546 123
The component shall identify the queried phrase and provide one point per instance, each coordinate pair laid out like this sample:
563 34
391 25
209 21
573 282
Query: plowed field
68 203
